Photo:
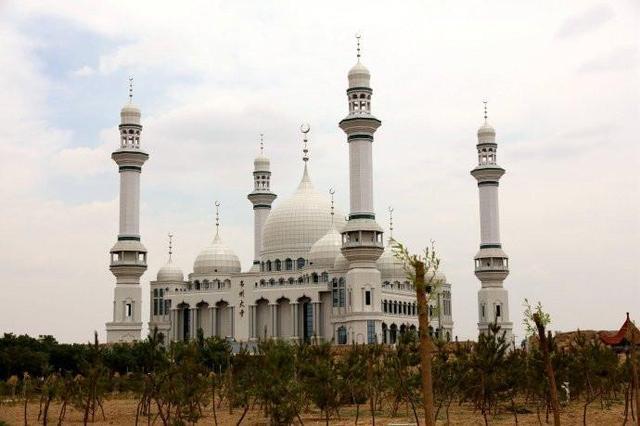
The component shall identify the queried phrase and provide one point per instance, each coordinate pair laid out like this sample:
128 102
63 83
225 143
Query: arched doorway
285 318
263 319
393 334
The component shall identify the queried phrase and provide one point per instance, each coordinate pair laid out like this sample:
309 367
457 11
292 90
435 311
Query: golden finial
485 110
261 143
130 89
358 37
390 222
170 245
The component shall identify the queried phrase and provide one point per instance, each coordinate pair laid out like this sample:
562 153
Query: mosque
315 275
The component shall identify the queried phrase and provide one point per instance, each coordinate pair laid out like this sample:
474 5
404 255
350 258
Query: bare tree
421 270
535 320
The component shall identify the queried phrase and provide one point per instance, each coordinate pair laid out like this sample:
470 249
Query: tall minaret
261 198
491 263
362 241
128 255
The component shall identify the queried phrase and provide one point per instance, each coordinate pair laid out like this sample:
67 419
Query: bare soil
121 411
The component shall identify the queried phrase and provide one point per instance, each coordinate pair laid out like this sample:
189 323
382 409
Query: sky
562 81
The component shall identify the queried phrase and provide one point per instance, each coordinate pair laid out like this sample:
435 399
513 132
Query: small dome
261 164
359 76
170 273
486 133
390 267
130 114
217 258
295 224
341 263
324 252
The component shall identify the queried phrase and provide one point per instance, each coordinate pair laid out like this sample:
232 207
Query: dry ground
122 412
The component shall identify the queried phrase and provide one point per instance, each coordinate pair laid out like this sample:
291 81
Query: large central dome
295 224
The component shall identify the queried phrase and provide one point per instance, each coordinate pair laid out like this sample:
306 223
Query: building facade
314 275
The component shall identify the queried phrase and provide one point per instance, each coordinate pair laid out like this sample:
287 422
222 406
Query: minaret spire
304 128
170 245
217 204
358 37
491 262
390 223
128 255
331 192
261 198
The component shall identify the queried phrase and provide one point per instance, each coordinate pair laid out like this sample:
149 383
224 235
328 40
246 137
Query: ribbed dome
390 267
294 225
359 76
217 258
341 263
324 252
170 272
130 114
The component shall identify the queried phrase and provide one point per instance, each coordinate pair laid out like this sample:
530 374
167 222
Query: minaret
491 263
362 241
128 255
261 198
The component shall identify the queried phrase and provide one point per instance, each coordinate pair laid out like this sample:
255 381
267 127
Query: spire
358 37
304 128
390 223
170 245
331 192
485 111
261 143
131 89
217 204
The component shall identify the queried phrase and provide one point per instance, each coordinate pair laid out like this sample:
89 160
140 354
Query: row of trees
181 382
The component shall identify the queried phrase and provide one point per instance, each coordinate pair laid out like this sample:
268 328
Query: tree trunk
425 345
634 380
553 390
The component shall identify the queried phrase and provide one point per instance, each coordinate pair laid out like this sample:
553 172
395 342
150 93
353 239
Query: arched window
300 263
314 277
197 285
384 306
325 277
281 281
268 265
272 282
288 264
342 335
278 265
291 281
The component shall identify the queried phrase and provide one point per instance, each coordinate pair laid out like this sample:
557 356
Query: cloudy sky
562 80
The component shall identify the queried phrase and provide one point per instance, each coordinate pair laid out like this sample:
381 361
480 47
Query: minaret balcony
487 173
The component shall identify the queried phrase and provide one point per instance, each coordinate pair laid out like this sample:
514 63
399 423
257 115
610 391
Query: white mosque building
315 275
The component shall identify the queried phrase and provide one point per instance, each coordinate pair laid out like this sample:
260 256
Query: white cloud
83 71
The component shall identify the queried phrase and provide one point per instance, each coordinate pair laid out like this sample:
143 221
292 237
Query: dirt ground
122 412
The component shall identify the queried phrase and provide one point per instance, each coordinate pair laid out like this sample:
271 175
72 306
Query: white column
129 202
489 215
361 176
272 319
192 323
213 314
260 215
316 318
294 306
